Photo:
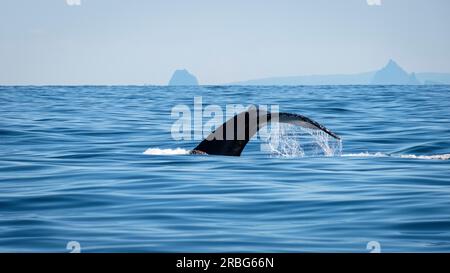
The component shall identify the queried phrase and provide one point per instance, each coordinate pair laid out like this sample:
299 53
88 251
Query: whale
231 137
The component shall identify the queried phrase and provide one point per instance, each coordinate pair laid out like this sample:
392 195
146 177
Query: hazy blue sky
144 41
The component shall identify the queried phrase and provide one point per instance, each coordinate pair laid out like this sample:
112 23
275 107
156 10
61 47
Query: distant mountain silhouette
434 78
392 73
183 77
338 79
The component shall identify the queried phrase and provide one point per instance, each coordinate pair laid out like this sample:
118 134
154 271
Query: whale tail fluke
231 137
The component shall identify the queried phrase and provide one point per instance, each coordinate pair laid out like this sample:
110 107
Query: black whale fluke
232 136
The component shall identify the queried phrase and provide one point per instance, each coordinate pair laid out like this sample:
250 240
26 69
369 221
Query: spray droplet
295 141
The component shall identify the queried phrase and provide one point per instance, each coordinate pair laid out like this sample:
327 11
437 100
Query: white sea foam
427 157
366 154
441 157
158 151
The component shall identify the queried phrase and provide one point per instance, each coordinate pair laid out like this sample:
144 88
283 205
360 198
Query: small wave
157 151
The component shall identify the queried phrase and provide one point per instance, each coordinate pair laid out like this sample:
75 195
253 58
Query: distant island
391 74
182 77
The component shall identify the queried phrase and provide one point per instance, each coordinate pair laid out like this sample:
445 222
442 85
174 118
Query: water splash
157 151
295 141
329 145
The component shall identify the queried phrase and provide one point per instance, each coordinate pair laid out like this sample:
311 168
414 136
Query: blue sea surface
73 168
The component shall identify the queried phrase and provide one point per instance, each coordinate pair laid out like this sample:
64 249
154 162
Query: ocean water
98 166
